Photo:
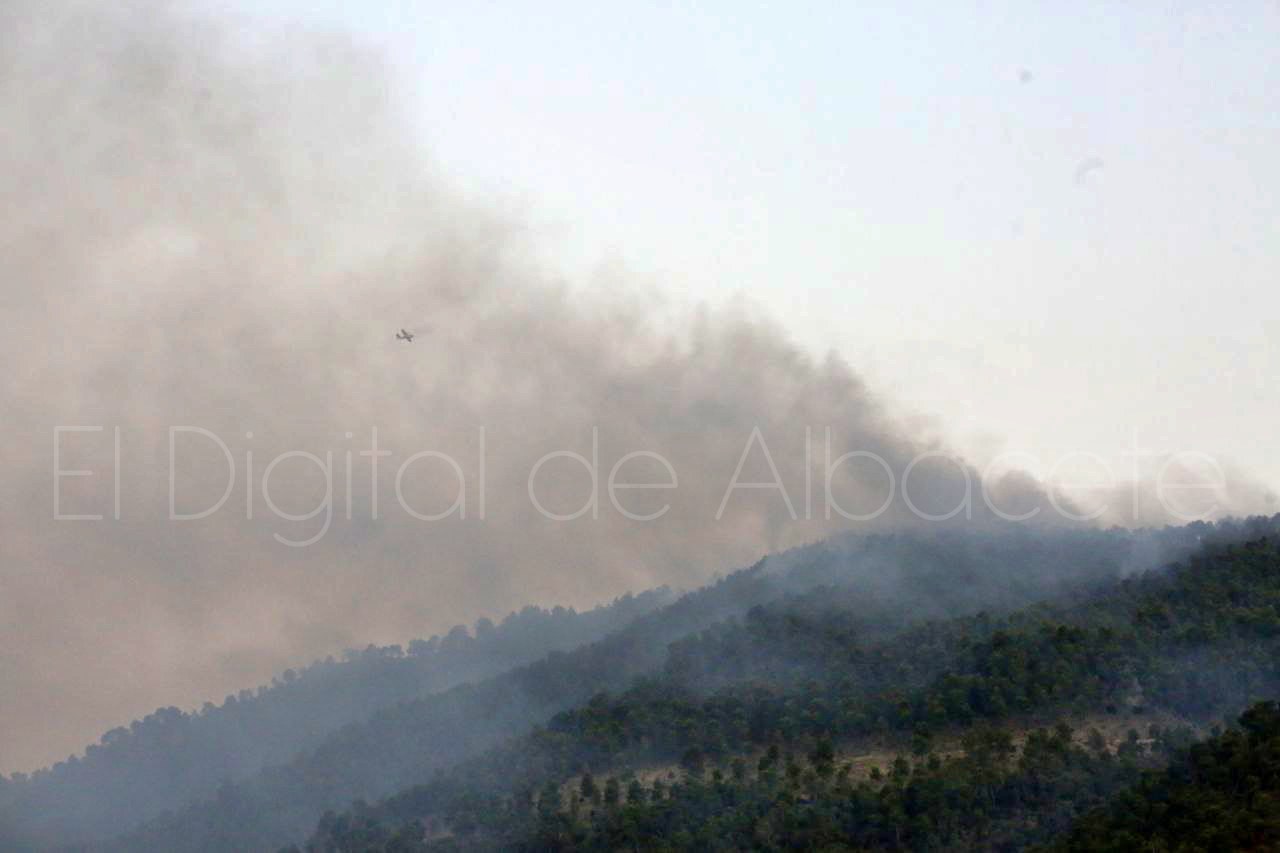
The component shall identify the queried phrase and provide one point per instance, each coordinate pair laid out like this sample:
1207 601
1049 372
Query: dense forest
753 688
1055 791
759 759
1223 794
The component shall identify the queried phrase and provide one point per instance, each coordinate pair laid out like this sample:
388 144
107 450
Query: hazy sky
883 179
1040 231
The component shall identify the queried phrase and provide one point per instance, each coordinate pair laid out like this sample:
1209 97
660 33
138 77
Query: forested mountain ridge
1146 640
853 592
172 757
901 579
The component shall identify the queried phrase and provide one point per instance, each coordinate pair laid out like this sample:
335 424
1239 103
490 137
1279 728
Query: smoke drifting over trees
204 230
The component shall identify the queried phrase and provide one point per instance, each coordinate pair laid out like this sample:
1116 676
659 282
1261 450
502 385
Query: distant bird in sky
1087 167
1024 76
407 337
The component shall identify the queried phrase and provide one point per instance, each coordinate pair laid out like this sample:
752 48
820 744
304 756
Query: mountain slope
1223 794
899 580
880 584
171 758
1139 641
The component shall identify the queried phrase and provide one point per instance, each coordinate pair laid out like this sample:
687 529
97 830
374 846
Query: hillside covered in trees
1223 794
759 754
171 757
753 688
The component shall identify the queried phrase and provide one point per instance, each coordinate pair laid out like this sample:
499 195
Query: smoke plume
206 231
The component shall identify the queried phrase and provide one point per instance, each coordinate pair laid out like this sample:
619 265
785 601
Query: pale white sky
883 181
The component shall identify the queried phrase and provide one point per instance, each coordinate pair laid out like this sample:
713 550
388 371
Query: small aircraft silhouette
1086 168
407 337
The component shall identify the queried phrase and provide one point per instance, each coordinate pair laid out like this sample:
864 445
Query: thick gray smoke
200 230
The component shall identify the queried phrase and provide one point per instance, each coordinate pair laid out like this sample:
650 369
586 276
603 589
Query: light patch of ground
1114 728
862 756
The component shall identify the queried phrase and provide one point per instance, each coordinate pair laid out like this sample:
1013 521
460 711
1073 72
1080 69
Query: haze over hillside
210 228
260 770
